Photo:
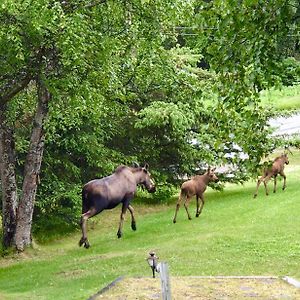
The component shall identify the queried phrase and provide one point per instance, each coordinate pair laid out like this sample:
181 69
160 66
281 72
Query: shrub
164 193
290 71
57 213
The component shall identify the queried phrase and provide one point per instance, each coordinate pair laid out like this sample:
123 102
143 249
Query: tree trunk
32 170
8 180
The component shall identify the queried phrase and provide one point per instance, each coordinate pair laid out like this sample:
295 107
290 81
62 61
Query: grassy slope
235 235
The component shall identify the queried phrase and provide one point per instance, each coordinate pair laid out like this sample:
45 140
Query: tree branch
13 88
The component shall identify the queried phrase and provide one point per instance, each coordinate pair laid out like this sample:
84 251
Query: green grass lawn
287 98
235 235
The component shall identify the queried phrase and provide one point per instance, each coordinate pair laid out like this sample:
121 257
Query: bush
164 193
57 213
290 71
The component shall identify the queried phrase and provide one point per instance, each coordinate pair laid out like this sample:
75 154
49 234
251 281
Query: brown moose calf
195 186
276 168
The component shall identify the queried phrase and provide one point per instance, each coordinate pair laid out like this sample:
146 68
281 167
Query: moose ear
208 169
146 166
135 164
287 150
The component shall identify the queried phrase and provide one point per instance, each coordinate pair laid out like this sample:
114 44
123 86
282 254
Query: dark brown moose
276 168
195 186
108 192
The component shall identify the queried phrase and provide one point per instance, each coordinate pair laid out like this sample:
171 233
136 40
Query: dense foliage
173 83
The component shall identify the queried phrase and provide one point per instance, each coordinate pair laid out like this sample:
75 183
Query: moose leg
257 186
186 205
122 217
177 207
266 180
83 222
133 223
275 183
284 180
201 207
198 206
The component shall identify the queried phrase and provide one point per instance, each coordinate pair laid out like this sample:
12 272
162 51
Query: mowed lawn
235 235
287 98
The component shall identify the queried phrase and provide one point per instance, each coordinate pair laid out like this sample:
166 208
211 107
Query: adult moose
276 168
108 192
195 186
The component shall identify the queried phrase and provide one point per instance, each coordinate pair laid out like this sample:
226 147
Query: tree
24 61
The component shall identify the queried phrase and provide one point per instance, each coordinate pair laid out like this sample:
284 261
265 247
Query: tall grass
235 235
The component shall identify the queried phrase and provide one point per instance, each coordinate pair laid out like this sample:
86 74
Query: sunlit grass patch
286 98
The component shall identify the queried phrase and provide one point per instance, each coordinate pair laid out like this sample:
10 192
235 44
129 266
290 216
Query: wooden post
165 281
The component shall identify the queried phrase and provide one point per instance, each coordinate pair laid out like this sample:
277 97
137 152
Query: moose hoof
197 215
87 245
254 196
133 226
190 218
174 221
81 242
119 235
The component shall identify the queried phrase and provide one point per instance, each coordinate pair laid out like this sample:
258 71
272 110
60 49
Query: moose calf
195 186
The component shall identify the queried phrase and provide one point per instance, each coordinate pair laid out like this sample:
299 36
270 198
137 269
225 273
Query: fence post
165 281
